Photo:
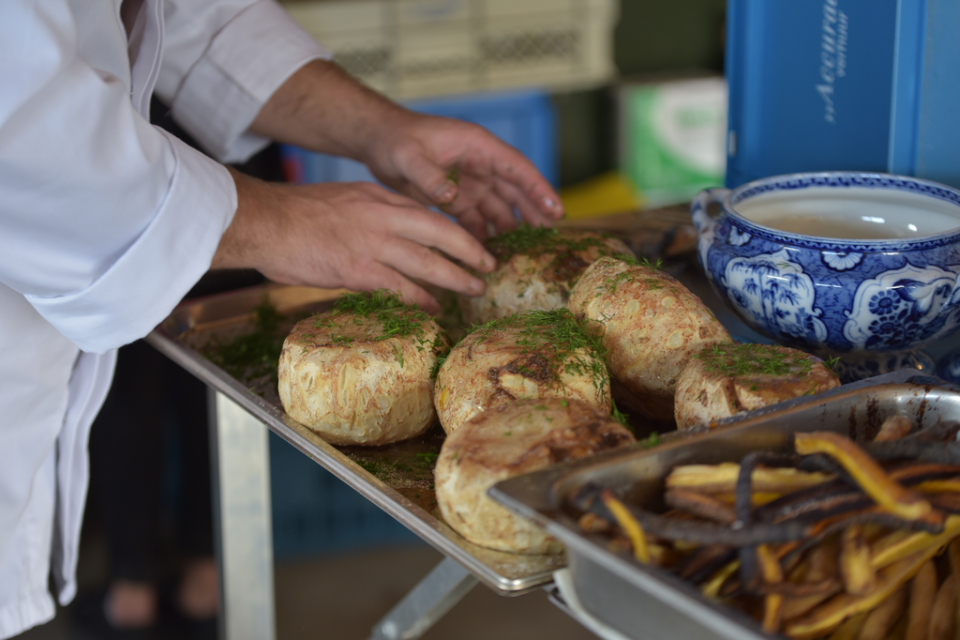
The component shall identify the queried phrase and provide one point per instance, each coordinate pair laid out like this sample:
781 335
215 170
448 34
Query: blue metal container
862 85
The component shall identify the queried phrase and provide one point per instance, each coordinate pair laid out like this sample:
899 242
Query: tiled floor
342 597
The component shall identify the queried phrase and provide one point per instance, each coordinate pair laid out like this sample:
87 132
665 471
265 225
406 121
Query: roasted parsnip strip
898 545
759 498
722 478
899 630
881 619
919 450
943 616
704 562
869 475
700 504
894 428
829 615
793 608
858 574
629 524
951 485
772 575
711 588
953 554
923 590
850 629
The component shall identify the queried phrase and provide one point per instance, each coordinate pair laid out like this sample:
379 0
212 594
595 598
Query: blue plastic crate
864 85
524 119
315 512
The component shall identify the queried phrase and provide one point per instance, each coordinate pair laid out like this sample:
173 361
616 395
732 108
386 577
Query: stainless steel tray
405 494
646 602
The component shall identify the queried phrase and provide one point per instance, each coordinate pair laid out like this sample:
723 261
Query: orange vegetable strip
772 602
858 574
828 616
865 471
923 590
629 524
897 546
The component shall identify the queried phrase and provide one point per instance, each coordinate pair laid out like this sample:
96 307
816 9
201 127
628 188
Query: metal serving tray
402 490
645 602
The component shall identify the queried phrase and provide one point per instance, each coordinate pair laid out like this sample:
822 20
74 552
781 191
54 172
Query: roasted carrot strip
827 617
898 545
772 602
629 524
858 574
923 591
866 471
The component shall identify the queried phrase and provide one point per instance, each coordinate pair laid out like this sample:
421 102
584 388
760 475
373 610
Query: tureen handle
698 209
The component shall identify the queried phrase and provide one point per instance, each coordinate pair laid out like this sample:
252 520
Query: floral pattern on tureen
902 307
841 260
774 293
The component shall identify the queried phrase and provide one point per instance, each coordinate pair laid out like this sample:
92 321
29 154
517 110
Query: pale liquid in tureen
852 213
813 225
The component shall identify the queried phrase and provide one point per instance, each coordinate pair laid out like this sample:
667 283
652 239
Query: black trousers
150 465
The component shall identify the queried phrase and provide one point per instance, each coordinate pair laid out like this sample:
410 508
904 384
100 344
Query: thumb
438 184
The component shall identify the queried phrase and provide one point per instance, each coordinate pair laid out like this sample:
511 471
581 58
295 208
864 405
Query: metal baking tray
394 477
645 602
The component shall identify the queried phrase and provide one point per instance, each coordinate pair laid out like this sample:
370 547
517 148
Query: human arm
382 239
321 108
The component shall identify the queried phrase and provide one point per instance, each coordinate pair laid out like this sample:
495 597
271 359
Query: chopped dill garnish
617 415
427 459
642 261
398 352
651 441
537 241
254 354
749 359
395 319
568 344
832 363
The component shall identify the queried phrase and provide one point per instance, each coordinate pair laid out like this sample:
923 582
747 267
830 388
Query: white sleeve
215 87
105 221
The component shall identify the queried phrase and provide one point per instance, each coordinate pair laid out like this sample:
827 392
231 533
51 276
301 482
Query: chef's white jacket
105 223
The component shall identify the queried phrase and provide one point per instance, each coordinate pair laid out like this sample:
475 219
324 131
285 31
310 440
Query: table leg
242 525
429 601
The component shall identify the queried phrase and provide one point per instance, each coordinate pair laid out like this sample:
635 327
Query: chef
108 221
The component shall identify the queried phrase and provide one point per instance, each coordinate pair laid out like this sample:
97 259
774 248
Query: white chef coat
105 223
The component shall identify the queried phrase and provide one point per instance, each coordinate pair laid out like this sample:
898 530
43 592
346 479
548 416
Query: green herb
622 418
651 441
454 175
736 360
567 343
395 319
427 459
398 352
638 262
254 354
832 363
508 433
537 241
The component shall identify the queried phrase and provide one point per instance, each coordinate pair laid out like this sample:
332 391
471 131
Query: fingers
419 263
475 224
498 212
529 212
433 230
374 275
518 176
439 185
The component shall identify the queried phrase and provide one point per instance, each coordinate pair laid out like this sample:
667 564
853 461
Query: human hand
462 168
322 108
354 235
